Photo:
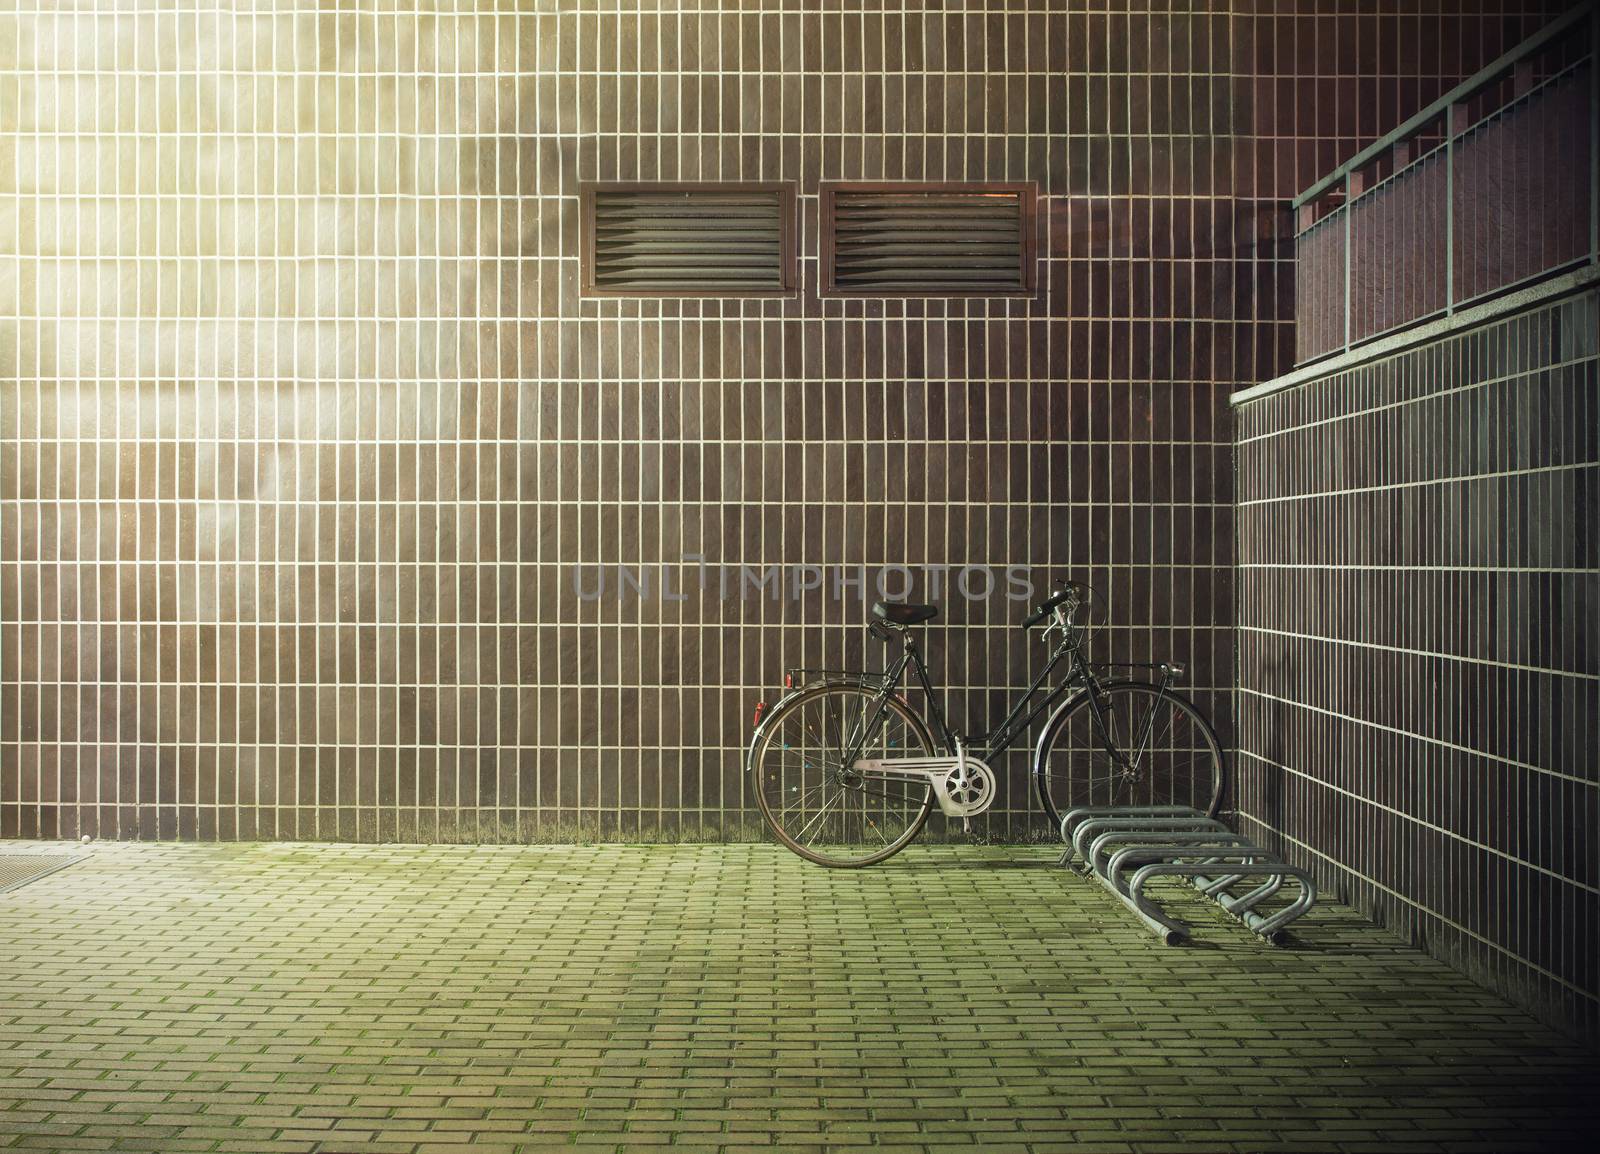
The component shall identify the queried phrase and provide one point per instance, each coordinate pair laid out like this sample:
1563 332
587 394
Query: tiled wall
309 425
1419 686
1417 699
1444 219
303 425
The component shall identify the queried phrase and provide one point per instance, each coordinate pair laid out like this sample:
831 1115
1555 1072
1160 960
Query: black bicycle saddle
900 614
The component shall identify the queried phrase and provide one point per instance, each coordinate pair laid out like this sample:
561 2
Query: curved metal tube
1169 847
1085 813
1269 927
1099 826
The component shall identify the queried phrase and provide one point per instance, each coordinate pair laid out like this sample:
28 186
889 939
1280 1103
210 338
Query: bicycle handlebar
1068 592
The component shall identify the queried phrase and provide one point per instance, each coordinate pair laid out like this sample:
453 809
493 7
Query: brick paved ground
271 998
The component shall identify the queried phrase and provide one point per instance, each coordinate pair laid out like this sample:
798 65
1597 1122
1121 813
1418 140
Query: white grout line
1412 735
1431 654
1412 904
1388 347
1412 819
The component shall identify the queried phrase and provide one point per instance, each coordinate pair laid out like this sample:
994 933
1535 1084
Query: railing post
1352 189
1401 148
1455 122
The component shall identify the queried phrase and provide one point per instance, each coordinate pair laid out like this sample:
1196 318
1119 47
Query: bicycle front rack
1125 846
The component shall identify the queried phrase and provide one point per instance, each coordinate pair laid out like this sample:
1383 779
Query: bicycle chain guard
964 785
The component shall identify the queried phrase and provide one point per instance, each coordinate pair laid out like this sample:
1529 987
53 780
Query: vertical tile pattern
1419 690
1449 217
1417 567
1315 85
304 425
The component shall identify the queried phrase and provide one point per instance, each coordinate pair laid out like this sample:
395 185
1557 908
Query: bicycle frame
847 750
1079 676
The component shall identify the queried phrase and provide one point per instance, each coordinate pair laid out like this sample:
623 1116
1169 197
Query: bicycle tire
782 771
1185 766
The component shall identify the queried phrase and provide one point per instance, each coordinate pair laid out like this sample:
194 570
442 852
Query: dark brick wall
1417 577
309 426
1419 686
307 438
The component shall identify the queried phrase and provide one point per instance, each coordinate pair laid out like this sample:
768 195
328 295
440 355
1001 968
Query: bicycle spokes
813 794
1131 745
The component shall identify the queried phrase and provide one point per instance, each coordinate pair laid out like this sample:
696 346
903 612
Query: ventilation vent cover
929 240
689 240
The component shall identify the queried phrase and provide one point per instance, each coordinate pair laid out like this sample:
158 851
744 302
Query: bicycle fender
775 707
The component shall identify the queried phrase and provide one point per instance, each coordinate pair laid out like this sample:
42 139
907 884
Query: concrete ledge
1564 285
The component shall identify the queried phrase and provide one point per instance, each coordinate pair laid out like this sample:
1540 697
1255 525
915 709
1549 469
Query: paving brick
403 999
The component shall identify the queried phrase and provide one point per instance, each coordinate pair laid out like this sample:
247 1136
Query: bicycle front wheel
1135 744
817 807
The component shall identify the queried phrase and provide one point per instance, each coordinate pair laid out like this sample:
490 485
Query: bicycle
846 772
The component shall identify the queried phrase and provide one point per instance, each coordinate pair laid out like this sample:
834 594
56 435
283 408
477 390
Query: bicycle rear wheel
1144 746
818 808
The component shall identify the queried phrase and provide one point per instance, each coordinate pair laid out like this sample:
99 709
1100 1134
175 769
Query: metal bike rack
1124 847
1127 817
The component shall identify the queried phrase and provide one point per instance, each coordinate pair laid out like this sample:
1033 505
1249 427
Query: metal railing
1459 203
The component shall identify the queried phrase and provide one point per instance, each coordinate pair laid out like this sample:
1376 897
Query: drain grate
18 869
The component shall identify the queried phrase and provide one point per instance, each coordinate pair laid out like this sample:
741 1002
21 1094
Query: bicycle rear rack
1125 846
798 676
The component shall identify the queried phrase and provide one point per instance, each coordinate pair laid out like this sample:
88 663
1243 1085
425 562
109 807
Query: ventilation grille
688 240
906 240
